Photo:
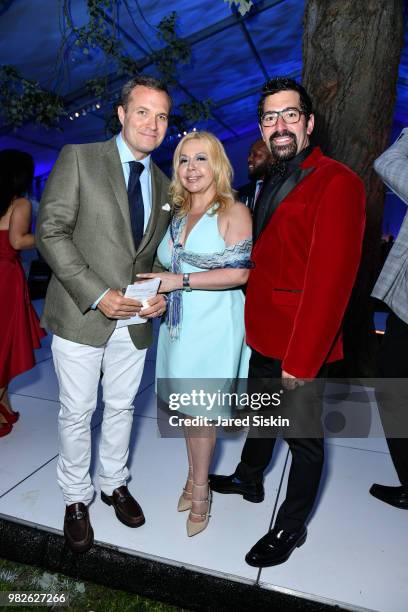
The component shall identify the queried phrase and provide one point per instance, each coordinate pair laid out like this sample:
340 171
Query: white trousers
78 368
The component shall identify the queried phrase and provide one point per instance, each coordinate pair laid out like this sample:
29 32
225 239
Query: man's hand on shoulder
115 306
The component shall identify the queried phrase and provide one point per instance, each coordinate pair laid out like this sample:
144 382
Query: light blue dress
211 343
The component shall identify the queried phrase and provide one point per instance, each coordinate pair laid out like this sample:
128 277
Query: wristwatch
186 282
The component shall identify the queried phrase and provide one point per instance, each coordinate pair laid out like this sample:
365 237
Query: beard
283 152
259 171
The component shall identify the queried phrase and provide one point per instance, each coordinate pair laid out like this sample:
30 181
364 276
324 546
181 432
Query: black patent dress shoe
275 547
78 531
251 491
395 496
126 507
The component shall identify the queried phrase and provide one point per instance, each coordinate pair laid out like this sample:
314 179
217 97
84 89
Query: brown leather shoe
78 531
126 507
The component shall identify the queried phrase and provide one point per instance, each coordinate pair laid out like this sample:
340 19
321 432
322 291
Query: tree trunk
351 52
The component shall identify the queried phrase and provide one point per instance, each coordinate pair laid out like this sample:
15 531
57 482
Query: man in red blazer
308 230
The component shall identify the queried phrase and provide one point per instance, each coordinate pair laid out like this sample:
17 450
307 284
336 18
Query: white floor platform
356 554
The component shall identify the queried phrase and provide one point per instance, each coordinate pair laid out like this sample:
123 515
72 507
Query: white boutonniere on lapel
166 207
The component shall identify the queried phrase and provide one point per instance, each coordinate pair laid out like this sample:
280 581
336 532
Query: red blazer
306 261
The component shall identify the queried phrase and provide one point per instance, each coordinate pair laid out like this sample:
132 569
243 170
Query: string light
82 112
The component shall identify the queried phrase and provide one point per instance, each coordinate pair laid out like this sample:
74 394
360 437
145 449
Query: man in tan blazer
103 213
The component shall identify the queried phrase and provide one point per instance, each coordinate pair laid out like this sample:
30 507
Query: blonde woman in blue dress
207 252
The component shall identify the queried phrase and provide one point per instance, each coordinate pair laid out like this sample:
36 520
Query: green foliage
196 110
128 66
97 87
23 100
81 595
97 33
176 50
243 6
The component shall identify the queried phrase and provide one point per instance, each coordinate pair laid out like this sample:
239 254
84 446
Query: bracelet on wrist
186 282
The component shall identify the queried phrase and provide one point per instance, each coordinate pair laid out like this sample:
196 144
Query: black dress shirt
277 176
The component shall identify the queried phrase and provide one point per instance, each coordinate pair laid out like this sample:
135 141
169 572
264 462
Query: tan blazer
84 233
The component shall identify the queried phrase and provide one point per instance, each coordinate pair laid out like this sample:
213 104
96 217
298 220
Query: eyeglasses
289 115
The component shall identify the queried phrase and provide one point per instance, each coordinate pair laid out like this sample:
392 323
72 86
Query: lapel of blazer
116 179
287 186
157 201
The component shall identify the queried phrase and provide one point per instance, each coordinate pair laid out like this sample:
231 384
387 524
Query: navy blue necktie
136 207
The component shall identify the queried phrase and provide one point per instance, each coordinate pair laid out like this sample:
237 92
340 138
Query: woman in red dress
20 330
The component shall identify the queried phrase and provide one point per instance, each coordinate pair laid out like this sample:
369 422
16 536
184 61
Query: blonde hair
220 165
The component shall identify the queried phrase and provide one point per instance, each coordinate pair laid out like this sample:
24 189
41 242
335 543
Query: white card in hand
140 291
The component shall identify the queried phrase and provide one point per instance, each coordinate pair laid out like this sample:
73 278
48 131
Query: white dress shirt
127 156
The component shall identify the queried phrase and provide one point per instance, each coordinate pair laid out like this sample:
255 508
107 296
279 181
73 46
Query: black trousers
307 458
393 363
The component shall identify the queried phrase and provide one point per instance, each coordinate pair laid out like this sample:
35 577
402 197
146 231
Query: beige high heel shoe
184 502
194 527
